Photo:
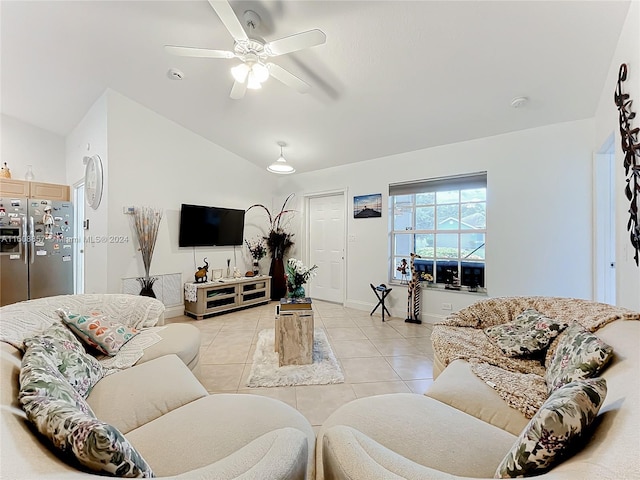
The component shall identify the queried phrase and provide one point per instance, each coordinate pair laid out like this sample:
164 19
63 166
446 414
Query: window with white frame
444 221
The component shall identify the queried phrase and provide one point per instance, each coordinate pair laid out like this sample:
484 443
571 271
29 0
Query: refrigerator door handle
32 234
25 238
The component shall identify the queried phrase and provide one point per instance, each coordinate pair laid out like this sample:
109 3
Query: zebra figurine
413 294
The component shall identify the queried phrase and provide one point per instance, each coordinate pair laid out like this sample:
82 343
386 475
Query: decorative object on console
201 273
297 275
631 151
146 221
258 250
278 242
4 171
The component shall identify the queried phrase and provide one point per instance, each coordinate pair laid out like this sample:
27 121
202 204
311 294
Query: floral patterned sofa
66 414
480 419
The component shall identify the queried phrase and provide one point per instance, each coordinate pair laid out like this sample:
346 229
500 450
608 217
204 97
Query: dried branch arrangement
146 222
631 151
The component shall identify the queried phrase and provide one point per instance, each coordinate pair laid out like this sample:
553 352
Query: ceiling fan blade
288 78
197 52
295 42
238 90
228 17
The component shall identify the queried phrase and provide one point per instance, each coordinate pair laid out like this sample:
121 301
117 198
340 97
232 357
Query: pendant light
281 166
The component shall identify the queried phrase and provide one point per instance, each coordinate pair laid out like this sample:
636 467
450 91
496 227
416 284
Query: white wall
155 162
87 139
24 144
606 122
538 213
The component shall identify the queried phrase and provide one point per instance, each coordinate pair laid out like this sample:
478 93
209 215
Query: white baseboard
174 311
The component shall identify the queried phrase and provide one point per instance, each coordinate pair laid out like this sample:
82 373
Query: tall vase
256 268
146 286
278 280
296 291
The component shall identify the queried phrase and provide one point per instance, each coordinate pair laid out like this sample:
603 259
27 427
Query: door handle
33 239
25 237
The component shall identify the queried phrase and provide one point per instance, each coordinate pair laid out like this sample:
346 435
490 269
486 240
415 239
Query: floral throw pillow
579 354
554 429
62 350
40 379
99 331
97 445
63 416
530 333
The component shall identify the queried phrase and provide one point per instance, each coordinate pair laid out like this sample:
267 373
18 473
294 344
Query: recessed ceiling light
175 74
518 102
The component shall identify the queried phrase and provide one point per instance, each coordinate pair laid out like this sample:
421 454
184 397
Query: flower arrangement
257 248
297 275
278 240
146 221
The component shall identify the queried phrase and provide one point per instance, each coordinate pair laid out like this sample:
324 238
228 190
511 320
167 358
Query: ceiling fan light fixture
240 72
260 72
280 166
252 82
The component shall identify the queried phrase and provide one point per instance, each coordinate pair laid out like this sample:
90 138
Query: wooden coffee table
294 337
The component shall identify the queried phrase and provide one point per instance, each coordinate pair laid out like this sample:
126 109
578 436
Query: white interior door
326 246
605 239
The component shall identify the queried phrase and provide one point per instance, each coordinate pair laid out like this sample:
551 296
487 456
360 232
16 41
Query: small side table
294 337
381 292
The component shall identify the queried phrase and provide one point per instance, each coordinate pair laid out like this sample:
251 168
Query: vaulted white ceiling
393 76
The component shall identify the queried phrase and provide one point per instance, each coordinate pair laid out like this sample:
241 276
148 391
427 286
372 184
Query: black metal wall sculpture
631 150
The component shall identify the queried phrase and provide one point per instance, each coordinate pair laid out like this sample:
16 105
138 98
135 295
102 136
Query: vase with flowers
297 275
257 250
146 221
278 242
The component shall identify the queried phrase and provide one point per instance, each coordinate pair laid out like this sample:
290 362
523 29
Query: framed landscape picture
367 206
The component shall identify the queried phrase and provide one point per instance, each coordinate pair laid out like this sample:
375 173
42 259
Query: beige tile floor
376 357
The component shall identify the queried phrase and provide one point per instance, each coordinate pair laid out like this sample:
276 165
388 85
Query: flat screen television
202 226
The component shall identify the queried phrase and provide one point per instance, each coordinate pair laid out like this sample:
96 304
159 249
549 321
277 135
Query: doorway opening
78 236
604 224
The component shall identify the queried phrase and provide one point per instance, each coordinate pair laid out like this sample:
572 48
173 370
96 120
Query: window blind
458 182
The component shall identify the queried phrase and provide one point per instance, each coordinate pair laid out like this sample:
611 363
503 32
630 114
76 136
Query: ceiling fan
254 54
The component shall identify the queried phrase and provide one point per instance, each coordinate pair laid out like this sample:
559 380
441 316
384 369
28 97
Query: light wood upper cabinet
49 191
13 188
19 188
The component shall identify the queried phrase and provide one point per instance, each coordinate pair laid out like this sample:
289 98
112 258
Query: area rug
265 371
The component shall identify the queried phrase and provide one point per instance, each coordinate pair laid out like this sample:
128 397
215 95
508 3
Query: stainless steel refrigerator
36 248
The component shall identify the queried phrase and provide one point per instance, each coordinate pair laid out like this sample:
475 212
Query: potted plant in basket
278 243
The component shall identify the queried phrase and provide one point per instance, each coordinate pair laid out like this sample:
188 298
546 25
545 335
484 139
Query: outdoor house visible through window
444 221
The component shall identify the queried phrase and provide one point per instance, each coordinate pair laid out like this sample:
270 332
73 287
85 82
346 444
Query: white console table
228 294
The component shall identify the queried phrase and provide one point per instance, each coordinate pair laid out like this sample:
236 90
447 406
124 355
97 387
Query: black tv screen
202 226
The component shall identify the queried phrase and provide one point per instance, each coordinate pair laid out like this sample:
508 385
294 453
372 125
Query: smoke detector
175 74
518 102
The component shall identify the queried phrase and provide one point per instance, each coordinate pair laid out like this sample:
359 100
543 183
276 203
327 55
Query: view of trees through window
447 228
